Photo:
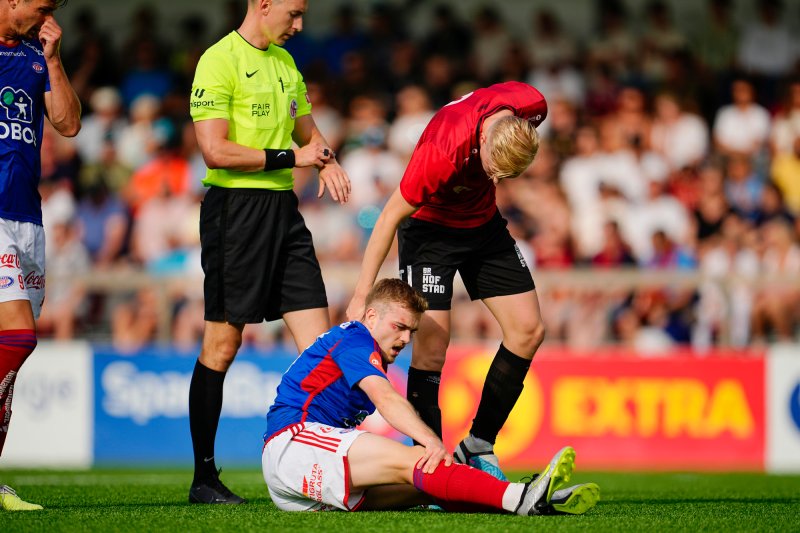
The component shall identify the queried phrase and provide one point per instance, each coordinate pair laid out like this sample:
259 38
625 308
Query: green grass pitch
155 500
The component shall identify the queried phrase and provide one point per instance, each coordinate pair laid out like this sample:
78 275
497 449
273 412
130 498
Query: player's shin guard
501 390
15 346
423 393
462 488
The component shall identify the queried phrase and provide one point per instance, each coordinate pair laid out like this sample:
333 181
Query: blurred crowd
663 149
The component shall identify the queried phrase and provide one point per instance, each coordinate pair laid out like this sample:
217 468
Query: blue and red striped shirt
23 81
322 383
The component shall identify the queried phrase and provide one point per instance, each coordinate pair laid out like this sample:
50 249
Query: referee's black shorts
486 257
257 256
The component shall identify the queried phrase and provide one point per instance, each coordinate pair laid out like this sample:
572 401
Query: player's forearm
375 254
64 110
394 212
400 414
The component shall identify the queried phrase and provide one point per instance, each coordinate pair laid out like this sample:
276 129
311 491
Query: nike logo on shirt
251 74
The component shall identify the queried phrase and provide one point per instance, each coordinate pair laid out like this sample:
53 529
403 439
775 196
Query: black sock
205 406
423 393
501 390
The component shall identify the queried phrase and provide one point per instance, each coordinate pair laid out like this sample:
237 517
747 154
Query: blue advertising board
141 407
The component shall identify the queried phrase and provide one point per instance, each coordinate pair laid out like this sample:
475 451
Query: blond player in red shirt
447 221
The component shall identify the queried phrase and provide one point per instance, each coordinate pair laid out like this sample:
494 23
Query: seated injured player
316 459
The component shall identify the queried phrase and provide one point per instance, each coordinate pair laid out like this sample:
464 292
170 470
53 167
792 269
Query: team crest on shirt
6 282
38 68
293 109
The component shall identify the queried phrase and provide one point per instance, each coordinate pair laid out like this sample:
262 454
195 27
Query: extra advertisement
621 412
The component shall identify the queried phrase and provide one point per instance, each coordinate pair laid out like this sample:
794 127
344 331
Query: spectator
138 141
615 251
492 40
67 261
448 37
743 186
104 124
785 171
414 111
786 127
548 44
169 170
775 307
147 75
102 225
660 41
743 126
680 137
768 50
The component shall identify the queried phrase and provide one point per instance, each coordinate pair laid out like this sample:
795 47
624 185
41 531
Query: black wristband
277 159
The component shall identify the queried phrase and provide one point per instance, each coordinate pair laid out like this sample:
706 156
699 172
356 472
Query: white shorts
22 263
306 469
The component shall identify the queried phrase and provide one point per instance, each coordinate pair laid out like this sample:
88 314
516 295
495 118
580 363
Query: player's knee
430 355
528 338
219 354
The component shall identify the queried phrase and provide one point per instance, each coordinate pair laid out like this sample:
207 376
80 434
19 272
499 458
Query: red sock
15 346
462 484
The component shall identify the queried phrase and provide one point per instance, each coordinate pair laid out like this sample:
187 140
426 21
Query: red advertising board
619 411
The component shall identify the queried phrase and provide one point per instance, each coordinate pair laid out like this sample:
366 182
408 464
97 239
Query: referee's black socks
422 392
501 390
205 406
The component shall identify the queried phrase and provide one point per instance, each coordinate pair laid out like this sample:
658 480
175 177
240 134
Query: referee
248 103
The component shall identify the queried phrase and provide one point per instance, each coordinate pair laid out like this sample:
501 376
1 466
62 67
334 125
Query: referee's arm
220 152
331 175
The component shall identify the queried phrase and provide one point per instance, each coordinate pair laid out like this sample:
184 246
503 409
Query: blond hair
393 290
512 143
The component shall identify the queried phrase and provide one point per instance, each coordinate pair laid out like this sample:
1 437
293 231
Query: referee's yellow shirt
260 93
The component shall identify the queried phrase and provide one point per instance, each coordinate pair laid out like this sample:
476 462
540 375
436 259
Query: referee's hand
312 155
333 176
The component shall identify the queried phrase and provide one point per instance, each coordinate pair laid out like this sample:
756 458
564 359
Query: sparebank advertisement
79 406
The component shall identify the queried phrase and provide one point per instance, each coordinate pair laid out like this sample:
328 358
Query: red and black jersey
445 178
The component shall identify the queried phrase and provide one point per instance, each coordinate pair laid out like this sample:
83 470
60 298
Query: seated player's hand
336 180
435 453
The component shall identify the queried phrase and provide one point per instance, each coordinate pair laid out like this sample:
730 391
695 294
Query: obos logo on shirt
18 108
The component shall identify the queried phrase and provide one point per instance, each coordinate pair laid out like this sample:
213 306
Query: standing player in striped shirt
315 459
32 84
448 222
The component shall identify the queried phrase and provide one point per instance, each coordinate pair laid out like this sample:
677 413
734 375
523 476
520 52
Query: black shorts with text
486 257
257 256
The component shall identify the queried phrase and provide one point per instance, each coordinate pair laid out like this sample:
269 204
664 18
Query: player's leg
428 256
17 342
378 461
22 284
499 276
221 342
428 354
523 332
300 297
306 325
239 259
